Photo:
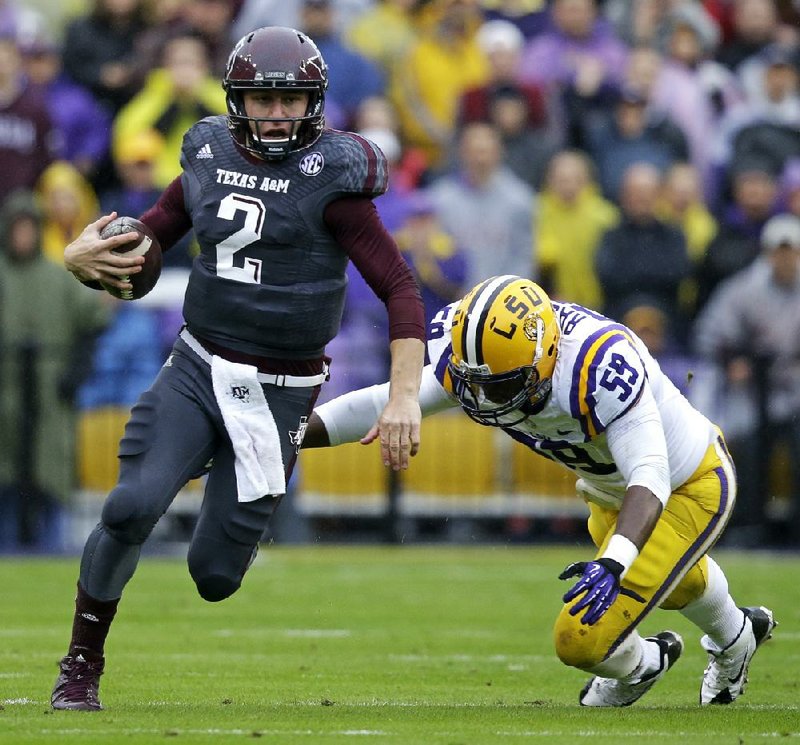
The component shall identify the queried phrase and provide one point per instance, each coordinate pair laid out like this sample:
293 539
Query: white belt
285 381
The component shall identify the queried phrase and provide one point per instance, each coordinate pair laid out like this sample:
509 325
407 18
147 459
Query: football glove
600 585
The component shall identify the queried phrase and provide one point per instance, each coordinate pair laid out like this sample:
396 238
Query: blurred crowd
627 155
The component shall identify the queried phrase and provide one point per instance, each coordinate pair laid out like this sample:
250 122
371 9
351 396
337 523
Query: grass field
339 644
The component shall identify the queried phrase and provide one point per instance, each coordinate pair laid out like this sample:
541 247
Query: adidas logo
90 617
205 152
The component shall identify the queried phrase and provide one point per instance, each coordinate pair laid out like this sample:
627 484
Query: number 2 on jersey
246 269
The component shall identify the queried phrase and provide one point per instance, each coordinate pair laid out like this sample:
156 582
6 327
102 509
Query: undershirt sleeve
349 417
354 223
168 218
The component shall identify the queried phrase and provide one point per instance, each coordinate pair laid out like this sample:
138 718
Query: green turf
372 645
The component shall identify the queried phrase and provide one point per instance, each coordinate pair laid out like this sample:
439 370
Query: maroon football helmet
277 58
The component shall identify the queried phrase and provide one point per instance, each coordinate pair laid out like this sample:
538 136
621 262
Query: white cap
499 34
781 230
386 140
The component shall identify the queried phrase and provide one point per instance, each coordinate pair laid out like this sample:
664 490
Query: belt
284 381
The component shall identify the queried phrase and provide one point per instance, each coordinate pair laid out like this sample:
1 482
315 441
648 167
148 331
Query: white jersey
603 377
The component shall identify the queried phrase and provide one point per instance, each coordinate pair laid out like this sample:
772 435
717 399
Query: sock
715 611
650 662
624 661
91 624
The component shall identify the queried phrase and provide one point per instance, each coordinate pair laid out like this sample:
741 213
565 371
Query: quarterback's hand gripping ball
145 244
599 584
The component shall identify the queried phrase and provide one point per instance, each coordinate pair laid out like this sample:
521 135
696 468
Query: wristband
622 550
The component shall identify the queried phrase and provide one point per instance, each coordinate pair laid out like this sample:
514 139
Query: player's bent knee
215 587
125 520
578 645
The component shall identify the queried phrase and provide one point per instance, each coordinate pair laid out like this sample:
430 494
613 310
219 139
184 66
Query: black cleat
78 683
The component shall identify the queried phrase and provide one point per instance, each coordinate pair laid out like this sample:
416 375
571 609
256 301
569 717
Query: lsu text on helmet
505 342
275 58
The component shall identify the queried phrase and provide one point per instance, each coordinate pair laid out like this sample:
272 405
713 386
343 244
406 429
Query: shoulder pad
363 165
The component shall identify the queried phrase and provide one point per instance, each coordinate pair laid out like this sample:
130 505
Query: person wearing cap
438 262
766 122
176 94
753 195
751 330
24 112
83 124
518 110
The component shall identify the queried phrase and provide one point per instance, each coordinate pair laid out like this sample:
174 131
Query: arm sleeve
639 448
168 217
354 223
349 417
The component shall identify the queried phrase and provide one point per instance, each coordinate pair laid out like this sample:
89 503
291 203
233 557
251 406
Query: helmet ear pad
275 58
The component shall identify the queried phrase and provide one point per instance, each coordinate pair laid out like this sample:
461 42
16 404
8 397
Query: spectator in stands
531 18
652 325
502 43
517 109
789 187
577 59
208 20
20 22
353 77
750 74
632 133
257 13
384 32
376 115
642 255
767 127
573 216
68 203
127 357
694 90
135 159
28 140
83 124
175 96
486 208
48 323
681 204
392 204
736 244
438 263
751 329
99 49
429 81
578 49
755 24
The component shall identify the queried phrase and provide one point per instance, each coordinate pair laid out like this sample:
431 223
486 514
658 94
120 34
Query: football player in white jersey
583 390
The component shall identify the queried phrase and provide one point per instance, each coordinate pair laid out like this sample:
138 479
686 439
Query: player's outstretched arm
352 416
397 427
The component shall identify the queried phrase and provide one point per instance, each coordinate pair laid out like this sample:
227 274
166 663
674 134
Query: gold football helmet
505 342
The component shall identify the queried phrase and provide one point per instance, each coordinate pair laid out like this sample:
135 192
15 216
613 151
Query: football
147 245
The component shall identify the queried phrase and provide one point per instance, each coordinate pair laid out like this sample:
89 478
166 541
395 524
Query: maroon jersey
275 238
27 141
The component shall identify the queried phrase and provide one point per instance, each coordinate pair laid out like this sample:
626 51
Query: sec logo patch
312 164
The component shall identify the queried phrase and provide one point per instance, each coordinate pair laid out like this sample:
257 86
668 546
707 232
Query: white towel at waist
252 429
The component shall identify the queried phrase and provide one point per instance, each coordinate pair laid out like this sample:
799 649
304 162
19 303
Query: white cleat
612 692
725 677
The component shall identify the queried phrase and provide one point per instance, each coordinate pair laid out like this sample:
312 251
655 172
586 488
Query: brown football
146 244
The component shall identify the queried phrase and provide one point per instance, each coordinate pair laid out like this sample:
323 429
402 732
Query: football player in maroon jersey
279 205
